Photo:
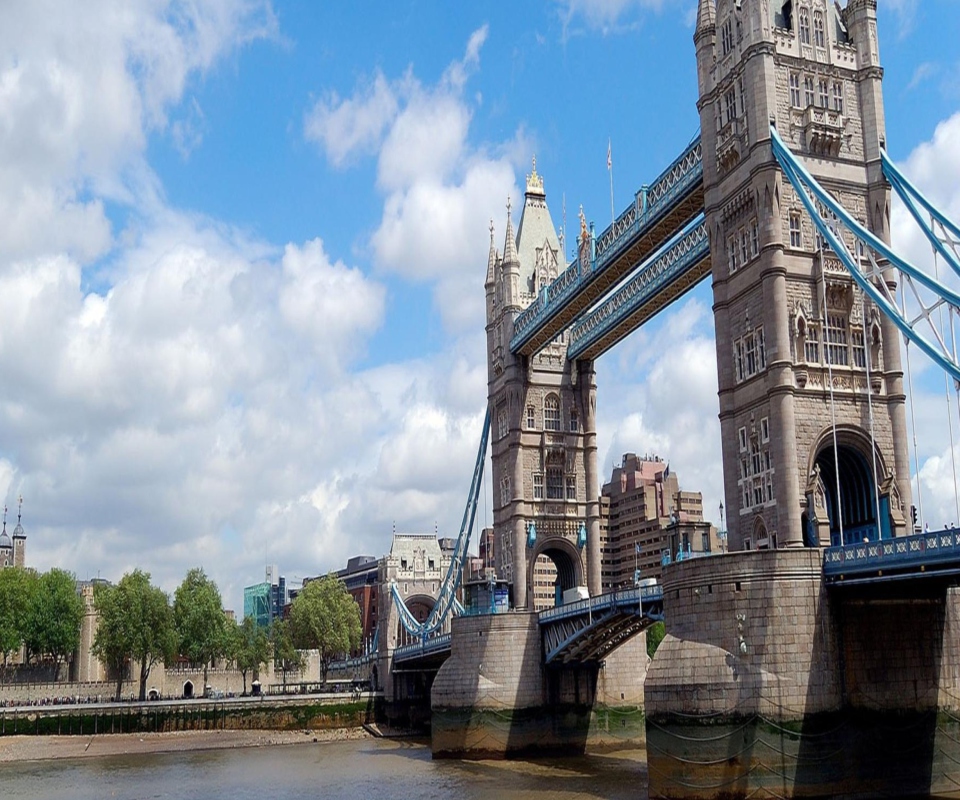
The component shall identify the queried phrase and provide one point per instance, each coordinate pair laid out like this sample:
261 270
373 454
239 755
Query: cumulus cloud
657 395
439 189
80 88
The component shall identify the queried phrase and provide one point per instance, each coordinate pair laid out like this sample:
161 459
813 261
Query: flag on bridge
609 155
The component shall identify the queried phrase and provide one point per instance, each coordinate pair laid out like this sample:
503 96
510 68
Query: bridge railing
649 205
673 262
633 596
930 547
434 644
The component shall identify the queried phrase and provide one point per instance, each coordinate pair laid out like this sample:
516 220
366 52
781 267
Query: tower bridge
784 201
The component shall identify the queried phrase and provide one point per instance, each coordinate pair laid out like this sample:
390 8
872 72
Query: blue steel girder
589 630
655 216
871 259
659 282
922 556
433 648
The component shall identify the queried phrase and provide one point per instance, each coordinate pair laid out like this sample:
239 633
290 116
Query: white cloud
80 87
354 125
606 16
439 189
657 395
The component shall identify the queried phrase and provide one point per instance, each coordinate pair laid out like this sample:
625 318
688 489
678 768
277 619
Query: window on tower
804 23
808 95
811 345
538 486
819 36
795 89
551 413
838 97
554 483
836 340
796 240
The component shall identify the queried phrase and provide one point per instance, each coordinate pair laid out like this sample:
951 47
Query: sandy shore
41 748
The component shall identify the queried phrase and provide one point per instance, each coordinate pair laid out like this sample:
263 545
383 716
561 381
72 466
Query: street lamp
722 534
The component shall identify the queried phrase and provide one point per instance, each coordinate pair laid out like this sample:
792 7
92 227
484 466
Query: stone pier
768 683
494 698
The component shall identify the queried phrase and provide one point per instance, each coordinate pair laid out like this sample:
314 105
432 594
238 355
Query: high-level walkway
646 229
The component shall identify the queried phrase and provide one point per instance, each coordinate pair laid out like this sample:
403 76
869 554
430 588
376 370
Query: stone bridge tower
543 437
798 348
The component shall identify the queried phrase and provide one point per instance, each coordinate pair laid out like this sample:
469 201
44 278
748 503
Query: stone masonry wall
494 664
746 633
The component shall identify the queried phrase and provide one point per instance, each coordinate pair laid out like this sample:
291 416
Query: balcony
823 130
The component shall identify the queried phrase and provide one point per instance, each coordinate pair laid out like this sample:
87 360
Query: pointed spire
706 15
18 531
491 260
510 242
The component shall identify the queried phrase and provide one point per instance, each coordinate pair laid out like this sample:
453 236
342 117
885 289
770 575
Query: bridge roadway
659 212
583 631
922 557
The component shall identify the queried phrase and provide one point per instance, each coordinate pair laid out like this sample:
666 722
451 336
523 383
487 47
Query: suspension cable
913 415
833 410
868 358
946 385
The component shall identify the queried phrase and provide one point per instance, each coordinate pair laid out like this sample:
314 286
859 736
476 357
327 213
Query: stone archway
841 491
420 605
567 561
188 690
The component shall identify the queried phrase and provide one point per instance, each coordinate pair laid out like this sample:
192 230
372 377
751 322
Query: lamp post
722 533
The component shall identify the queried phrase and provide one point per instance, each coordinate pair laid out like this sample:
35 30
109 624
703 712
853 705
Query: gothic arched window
804 17
819 37
551 413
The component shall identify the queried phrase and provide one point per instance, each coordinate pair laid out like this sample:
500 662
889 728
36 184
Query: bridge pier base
493 698
769 683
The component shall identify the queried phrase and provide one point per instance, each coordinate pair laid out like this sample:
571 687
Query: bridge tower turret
798 348
543 437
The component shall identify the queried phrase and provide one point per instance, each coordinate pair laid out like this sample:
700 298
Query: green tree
199 620
251 648
16 586
136 624
655 634
286 657
324 617
53 616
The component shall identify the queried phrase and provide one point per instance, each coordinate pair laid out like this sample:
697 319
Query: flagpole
613 214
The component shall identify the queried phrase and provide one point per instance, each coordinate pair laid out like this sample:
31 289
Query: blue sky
242 248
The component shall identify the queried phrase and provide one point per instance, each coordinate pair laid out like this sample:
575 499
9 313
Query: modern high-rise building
643 515
264 601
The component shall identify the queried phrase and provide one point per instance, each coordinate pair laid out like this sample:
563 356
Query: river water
367 769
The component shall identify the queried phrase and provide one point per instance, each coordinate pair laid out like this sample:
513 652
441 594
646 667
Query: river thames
364 769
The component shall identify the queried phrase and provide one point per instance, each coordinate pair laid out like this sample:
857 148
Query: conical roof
510 241
491 259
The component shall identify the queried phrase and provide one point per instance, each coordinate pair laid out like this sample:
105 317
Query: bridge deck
656 216
588 630
660 282
922 556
